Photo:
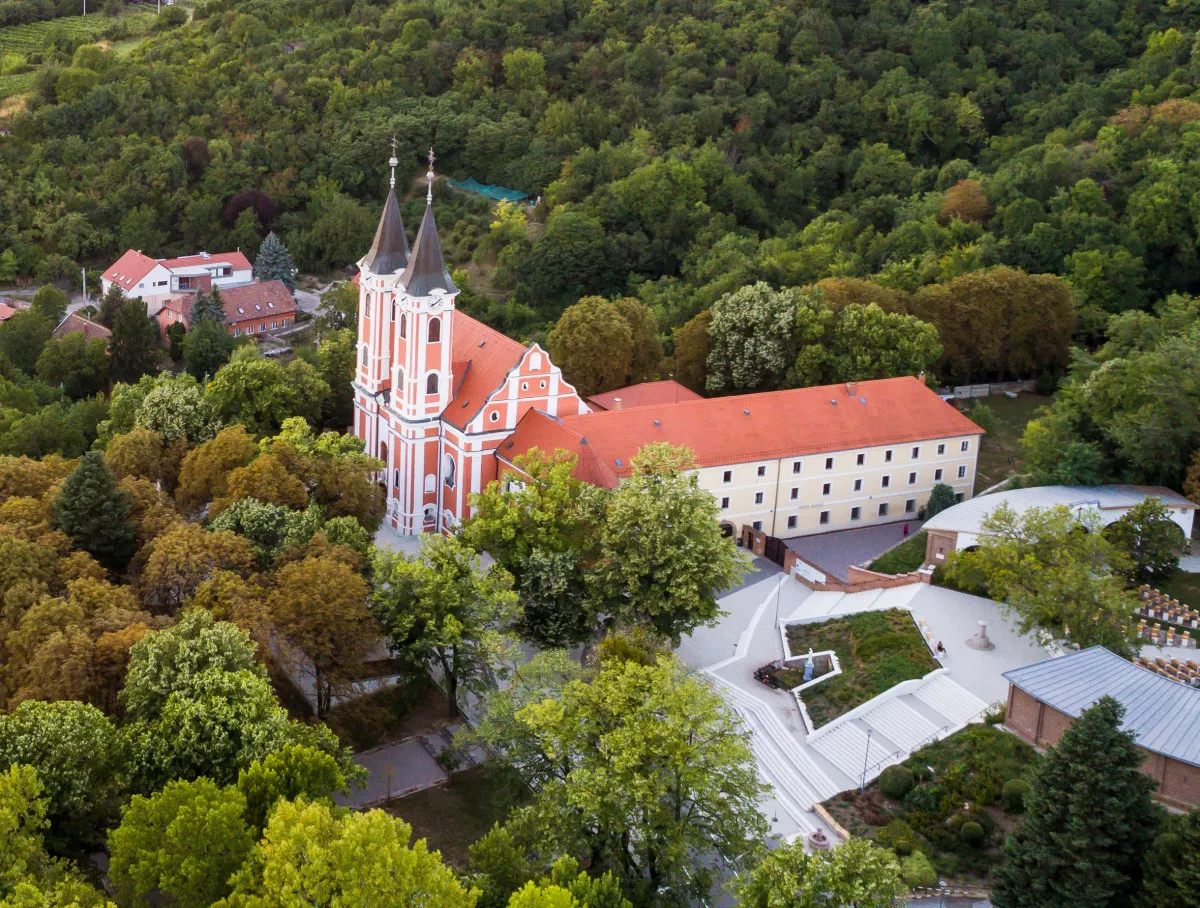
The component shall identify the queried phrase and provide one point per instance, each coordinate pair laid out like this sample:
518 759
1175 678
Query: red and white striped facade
436 391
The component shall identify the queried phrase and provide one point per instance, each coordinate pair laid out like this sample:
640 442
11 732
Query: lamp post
862 782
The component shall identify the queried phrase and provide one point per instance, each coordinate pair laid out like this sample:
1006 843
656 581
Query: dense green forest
682 149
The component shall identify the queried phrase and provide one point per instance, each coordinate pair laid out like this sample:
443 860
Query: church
448 404
436 392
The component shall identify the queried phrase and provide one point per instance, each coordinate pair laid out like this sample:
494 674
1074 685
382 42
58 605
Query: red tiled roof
6 312
129 269
481 358
77 324
773 424
253 302
236 260
181 303
537 430
646 394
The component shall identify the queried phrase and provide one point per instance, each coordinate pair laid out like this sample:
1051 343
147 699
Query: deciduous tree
1151 541
294 772
134 345
855 874
206 347
78 365
205 472
184 557
750 333
592 343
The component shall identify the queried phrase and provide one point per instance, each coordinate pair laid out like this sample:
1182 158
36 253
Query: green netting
492 192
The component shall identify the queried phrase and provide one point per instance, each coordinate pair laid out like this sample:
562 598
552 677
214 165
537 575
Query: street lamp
862 786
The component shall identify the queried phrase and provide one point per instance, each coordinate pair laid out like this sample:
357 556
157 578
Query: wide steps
900 724
851 749
950 699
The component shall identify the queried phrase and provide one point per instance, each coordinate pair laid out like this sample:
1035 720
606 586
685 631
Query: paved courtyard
834 553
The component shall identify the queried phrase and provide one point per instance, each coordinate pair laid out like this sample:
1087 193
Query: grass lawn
1005 442
907 556
877 650
1185 587
968 768
455 816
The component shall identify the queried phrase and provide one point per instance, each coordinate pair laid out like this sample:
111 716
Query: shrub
903 848
894 832
918 871
986 787
972 833
997 717
1013 795
924 797
895 782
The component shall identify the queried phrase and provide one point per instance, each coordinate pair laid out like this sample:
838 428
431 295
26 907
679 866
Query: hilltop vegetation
682 149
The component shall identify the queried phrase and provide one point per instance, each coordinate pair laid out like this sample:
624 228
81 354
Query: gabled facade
140 276
435 391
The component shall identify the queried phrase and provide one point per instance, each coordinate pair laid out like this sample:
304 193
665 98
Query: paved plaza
835 553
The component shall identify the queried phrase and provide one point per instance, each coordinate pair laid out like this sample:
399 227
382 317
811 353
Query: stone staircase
880 734
799 782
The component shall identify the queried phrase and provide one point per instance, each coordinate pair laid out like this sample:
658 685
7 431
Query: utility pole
85 296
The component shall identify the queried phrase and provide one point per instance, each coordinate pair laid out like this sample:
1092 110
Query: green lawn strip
997 447
877 650
907 556
968 768
1185 587
454 816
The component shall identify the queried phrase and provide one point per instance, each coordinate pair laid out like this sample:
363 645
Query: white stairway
897 727
949 698
798 781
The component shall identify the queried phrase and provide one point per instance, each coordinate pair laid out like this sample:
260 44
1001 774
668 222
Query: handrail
994 705
867 770
928 738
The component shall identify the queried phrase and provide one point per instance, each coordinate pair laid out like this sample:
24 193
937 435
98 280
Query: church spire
389 252
426 269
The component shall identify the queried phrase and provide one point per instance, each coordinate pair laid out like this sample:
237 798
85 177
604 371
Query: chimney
850 386
616 403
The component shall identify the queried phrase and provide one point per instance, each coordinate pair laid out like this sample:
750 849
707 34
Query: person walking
906 531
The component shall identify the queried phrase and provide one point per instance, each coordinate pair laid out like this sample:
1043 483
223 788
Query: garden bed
876 650
791 675
958 780
906 557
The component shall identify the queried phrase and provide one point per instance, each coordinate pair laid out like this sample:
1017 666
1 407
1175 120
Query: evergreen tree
208 305
1173 865
175 335
133 348
110 305
207 347
940 498
274 262
94 512
1088 821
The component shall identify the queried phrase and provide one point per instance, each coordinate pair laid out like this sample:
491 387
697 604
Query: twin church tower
436 393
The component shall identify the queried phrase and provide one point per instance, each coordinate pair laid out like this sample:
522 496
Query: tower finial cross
429 178
392 162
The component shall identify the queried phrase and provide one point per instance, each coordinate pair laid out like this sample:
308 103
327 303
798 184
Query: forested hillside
683 149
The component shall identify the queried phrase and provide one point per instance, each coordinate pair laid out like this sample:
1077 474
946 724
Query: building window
887 456
941 450
828 463
727 476
435 330
858 485
937 475
916 452
958 497
796 466
965 446
824 518
262 327
885 482
393 310
910 505
912 479
862 458
883 509
795 492
237 332
274 325
758 497
286 322
757 524
762 471
855 513
495 417
431 383
825 489
724 504
792 522
395 479
524 386
403 325
962 472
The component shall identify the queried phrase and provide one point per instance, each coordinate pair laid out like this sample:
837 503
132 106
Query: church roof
549 434
426 269
482 358
389 253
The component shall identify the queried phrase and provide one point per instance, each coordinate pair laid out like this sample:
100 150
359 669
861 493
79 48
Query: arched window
399 380
403 325
362 355
383 454
448 469
393 310
431 383
395 482
435 330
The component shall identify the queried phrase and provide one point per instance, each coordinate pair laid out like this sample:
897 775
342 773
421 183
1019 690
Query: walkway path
835 552
399 769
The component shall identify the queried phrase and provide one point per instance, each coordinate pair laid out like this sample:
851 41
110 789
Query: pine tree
206 348
110 305
1088 821
208 305
94 512
274 262
133 348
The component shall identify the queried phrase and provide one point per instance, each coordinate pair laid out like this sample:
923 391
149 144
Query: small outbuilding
959 527
1163 715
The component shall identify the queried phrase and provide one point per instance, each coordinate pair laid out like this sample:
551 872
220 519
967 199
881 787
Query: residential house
250 310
